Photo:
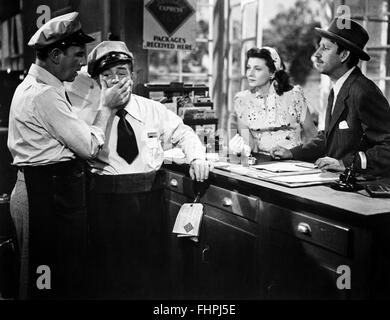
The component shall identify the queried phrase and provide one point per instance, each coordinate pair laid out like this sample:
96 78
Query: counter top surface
323 196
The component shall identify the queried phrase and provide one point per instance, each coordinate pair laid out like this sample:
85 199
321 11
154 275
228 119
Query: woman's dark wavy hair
281 77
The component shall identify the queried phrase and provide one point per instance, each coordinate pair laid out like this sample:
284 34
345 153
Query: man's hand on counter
328 163
280 153
200 169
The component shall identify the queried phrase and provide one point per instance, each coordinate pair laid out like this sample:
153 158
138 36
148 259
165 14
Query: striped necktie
329 110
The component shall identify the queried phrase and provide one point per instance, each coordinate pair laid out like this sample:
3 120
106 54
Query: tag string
197 198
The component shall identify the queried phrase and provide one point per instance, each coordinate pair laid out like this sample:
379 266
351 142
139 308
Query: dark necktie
127 144
329 110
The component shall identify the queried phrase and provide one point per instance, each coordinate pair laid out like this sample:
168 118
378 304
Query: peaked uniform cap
106 54
65 28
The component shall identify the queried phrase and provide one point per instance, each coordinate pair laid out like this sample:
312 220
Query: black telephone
347 181
378 190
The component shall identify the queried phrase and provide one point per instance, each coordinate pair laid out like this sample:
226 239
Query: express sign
169 24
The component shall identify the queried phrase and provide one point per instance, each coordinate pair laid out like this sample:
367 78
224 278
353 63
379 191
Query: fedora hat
347 33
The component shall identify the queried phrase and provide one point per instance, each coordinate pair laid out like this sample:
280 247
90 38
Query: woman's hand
238 146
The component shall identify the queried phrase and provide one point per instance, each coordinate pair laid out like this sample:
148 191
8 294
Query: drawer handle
174 183
9 241
304 228
227 202
205 254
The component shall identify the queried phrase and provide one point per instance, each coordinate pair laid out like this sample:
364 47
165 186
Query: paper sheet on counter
305 180
299 178
283 166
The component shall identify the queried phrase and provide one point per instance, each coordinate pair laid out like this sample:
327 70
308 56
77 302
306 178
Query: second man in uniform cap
127 221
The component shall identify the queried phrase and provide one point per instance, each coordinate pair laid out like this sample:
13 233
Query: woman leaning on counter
272 112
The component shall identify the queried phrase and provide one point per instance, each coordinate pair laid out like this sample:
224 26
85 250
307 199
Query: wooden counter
259 240
358 204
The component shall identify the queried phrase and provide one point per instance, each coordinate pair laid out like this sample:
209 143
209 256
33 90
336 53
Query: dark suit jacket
361 104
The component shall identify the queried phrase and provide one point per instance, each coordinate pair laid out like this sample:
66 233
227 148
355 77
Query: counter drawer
234 202
327 234
179 183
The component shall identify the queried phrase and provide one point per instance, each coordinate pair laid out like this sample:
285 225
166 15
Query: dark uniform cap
107 54
64 29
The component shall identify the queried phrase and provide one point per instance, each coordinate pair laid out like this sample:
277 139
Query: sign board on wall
169 24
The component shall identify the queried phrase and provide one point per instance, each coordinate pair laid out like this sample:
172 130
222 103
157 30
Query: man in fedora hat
48 143
126 195
358 114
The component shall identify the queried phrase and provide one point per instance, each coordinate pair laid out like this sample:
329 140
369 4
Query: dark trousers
58 229
128 237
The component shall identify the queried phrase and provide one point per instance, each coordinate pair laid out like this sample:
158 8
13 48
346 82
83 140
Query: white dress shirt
156 129
43 129
339 83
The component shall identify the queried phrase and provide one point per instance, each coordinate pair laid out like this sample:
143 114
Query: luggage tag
188 220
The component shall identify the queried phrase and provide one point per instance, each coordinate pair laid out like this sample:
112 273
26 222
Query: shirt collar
133 108
45 76
339 83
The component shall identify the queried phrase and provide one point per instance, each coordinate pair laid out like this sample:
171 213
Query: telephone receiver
347 181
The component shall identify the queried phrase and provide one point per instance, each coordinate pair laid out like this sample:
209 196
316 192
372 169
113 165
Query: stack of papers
300 180
288 167
286 173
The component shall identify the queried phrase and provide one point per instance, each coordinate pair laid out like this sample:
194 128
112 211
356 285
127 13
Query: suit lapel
341 97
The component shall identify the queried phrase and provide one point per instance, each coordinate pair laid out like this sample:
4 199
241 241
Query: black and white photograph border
203 107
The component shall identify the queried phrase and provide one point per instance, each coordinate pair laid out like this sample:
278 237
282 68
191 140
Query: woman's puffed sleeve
298 107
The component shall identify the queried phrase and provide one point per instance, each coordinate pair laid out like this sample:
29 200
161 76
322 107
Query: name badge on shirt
152 134
152 139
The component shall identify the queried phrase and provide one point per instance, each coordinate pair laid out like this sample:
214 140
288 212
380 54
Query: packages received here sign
169 24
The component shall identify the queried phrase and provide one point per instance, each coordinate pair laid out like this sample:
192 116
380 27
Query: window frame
384 47
257 39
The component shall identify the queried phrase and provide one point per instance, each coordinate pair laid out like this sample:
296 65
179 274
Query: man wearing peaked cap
357 115
62 30
63 38
126 218
49 143
106 54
